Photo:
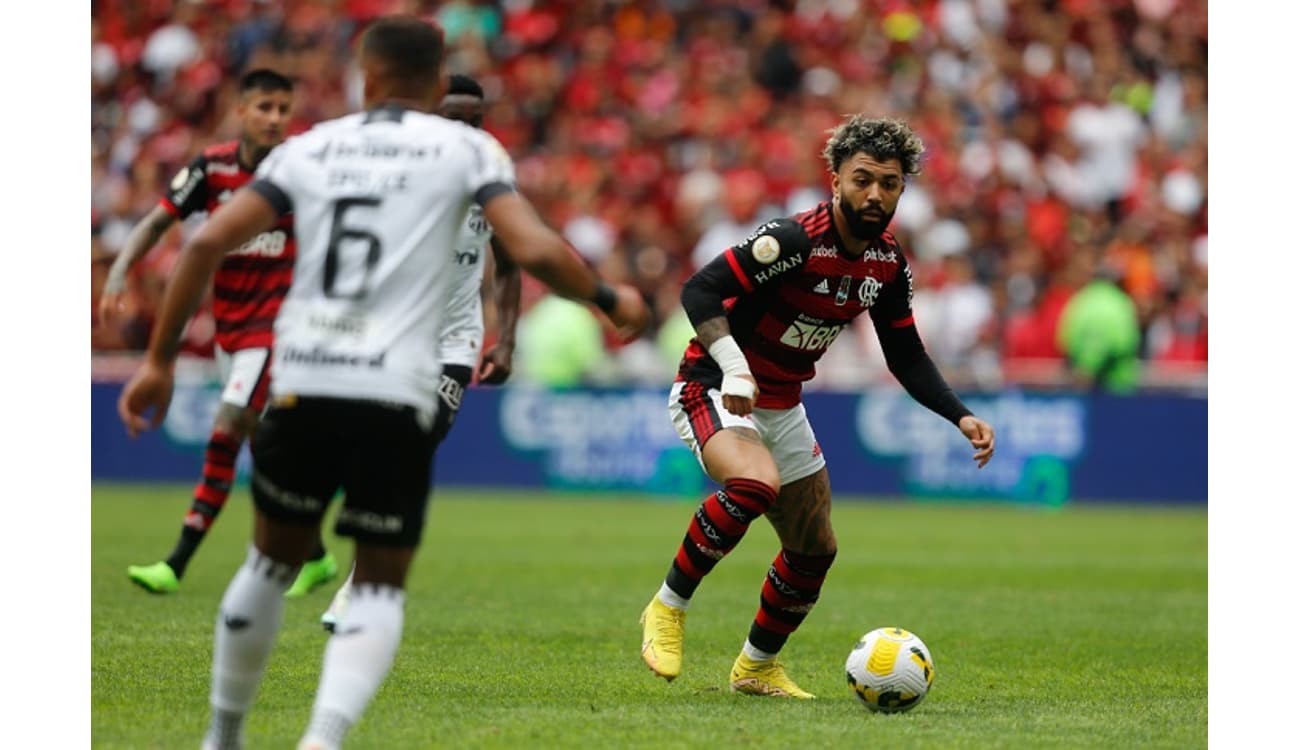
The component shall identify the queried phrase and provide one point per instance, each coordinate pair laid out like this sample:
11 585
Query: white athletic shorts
247 377
698 414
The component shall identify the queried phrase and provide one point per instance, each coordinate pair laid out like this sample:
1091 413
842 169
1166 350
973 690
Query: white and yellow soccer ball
890 670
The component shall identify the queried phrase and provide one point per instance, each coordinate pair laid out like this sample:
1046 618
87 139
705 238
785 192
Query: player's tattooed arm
712 329
144 235
702 297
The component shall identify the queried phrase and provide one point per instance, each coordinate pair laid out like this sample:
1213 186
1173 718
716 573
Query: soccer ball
890 670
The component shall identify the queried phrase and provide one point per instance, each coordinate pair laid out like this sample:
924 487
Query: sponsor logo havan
778 268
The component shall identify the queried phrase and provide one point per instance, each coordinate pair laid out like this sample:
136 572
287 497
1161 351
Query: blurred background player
378 200
462 338
764 312
246 295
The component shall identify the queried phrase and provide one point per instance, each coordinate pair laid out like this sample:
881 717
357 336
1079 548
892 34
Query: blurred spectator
560 344
742 199
955 318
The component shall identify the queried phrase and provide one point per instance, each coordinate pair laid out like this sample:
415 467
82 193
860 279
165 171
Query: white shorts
698 414
247 377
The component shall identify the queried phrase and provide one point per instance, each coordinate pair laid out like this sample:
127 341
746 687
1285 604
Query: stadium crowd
1066 140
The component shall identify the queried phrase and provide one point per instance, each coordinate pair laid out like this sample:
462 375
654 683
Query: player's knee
755 470
382 565
767 475
772 479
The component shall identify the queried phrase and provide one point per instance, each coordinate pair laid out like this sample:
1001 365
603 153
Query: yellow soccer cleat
662 630
764 678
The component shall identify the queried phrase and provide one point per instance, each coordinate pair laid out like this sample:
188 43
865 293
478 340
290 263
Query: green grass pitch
1083 627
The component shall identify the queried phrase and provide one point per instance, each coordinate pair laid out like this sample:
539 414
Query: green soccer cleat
314 574
158 578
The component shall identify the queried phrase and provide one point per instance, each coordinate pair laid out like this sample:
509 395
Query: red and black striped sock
209 497
791 589
718 525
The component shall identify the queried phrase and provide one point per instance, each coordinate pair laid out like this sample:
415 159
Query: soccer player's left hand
980 435
150 388
495 367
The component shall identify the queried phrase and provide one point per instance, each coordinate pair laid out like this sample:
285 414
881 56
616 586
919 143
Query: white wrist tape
732 361
734 385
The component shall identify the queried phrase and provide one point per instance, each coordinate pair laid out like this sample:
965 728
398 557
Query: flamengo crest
868 290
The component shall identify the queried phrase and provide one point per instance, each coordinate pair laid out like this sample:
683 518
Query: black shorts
451 390
381 455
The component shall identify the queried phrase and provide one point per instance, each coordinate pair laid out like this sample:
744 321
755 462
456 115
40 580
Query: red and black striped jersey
795 297
253 279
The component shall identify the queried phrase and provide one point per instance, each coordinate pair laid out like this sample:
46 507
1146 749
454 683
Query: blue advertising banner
1052 448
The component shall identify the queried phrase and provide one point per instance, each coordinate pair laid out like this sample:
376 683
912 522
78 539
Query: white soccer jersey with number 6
379 201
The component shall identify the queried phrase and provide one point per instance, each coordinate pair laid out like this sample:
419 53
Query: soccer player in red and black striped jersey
764 312
246 295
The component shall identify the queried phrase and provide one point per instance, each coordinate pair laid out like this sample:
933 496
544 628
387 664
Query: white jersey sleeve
492 169
379 201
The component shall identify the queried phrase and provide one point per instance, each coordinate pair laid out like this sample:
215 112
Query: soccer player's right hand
630 314
734 388
149 389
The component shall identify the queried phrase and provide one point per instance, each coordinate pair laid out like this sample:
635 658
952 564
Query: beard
861 227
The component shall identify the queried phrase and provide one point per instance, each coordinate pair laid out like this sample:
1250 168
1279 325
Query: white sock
672 598
340 600
756 653
247 623
357 659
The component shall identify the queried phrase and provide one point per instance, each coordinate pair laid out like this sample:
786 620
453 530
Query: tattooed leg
801 516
